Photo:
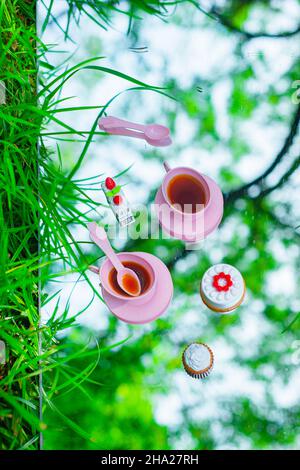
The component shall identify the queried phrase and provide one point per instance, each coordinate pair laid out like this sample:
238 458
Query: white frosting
222 299
197 356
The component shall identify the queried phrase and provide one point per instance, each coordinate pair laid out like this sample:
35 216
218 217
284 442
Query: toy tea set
137 287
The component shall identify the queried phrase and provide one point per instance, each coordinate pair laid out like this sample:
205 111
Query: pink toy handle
111 122
98 236
94 269
122 131
167 167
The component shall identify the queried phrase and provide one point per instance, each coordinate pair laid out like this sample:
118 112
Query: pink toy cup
107 267
189 226
171 174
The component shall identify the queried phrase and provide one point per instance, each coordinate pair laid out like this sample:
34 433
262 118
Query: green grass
19 128
38 210
101 11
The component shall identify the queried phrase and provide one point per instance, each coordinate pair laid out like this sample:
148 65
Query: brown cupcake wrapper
200 375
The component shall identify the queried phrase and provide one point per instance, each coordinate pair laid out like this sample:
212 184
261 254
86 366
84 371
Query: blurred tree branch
224 20
282 180
243 190
277 221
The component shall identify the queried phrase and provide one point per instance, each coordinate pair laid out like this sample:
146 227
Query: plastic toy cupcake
222 288
198 360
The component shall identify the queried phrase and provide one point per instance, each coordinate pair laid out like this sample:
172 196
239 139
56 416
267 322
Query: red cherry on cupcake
118 200
109 183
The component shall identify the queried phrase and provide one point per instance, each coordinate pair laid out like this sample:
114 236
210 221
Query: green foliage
122 395
259 337
99 391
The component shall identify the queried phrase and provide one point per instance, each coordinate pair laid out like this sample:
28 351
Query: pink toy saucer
129 312
212 215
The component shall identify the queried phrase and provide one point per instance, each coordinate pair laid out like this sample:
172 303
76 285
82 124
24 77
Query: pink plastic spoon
139 135
152 131
126 278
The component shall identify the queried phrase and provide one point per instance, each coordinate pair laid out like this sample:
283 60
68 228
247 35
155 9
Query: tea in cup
143 269
189 205
185 190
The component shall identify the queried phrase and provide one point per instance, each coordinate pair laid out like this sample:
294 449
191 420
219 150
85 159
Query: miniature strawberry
109 183
118 200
